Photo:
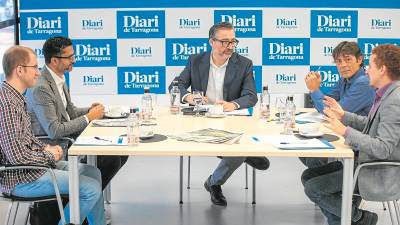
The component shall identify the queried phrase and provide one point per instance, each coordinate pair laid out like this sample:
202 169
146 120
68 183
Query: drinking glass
280 108
197 99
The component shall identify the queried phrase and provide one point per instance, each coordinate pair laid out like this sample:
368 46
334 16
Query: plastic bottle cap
265 88
146 90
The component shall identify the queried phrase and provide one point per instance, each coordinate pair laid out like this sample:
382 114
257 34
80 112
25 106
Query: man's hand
313 81
189 99
56 150
94 105
333 109
335 125
228 106
97 112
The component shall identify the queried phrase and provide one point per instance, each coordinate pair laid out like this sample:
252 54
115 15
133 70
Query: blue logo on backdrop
381 24
329 75
285 78
334 24
140 52
141 24
39 53
185 23
327 51
367 44
93 80
88 24
178 50
43 25
243 51
132 80
285 23
257 74
286 51
247 23
96 52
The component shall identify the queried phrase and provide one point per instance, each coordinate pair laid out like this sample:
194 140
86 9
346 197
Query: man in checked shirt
18 145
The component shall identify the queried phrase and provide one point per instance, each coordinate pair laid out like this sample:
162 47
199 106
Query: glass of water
197 99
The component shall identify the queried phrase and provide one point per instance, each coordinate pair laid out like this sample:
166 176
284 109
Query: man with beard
225 78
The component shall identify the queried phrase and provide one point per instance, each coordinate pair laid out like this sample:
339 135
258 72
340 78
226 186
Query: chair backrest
2 77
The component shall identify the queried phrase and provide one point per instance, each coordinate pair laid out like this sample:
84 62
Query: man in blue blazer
225 78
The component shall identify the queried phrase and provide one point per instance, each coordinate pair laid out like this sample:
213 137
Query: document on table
110 123
313 117
290 142
101 140
239 112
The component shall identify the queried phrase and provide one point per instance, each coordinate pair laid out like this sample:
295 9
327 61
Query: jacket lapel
53 86
230 74
204 71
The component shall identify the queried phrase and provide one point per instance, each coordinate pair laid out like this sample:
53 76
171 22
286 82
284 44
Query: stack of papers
209 135
110 123
239 112
292 142
312 117
101 141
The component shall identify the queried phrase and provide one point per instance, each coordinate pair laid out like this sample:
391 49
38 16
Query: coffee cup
216 110
115 111
310 129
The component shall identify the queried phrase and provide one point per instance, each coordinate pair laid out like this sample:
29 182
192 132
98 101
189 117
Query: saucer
116 116
210 115
311 135
148 136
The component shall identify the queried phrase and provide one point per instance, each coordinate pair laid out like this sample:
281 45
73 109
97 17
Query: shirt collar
59 80
20 99
359 73
381 91
218 67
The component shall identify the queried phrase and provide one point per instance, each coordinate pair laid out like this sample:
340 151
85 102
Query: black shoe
216 193
260 163
367 218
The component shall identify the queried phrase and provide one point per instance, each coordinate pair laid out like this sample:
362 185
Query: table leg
180 179
74 189
347 192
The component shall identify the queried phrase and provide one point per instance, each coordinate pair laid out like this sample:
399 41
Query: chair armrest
371 164
20 166
44 137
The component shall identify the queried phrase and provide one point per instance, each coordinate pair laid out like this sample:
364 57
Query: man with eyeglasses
52 111
225 78
352 91
18 145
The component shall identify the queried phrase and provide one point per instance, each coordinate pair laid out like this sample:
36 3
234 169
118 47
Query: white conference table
174 124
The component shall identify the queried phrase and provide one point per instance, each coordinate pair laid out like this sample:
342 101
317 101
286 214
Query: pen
102 139
254 138
291 143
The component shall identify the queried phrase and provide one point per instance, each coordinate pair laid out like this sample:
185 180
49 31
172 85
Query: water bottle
132 128
265 101
175 101
290 116
147 107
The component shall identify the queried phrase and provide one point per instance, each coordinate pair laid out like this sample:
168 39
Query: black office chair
16 199
395 219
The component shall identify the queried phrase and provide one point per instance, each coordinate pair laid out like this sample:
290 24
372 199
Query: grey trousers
225 169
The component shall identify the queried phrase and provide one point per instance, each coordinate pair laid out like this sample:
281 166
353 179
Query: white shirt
215 86
60 81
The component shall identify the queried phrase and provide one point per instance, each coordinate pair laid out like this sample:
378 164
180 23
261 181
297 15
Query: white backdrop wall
121 47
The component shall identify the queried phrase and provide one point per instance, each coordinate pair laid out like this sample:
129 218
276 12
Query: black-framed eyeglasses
72 56
226 43
36 67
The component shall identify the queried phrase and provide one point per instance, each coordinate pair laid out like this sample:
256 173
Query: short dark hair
347 48
388 55
15 56
54 46
222 25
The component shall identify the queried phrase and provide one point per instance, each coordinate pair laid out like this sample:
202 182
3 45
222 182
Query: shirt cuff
237 105
346 133
87 119
183 98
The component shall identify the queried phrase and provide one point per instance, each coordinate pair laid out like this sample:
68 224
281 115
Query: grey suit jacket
239 84
377 137
48 114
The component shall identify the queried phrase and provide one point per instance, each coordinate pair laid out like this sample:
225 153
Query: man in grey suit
52 111
373 137
225 78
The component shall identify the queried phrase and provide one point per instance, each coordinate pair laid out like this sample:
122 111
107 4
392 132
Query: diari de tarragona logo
91 24
381 24
329 76
190 24
247 23
43 25
133 80
367 44
93 80
286 23
95 52
334 24
286 51
178 50
141 24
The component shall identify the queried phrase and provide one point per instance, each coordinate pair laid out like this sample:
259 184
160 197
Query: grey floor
145 192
